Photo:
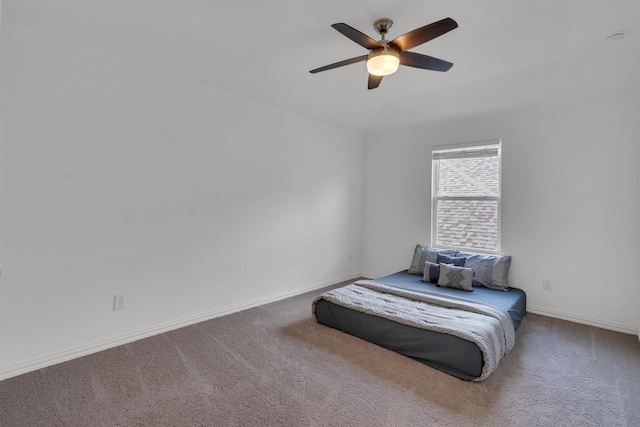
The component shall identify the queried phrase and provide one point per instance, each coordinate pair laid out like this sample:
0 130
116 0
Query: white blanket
491 329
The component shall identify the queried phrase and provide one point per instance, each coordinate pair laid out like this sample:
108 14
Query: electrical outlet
546 284
119 301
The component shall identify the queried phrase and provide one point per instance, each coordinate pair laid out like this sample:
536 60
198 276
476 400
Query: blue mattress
513 301
450 354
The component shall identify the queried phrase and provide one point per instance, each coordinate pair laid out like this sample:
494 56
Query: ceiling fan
385 55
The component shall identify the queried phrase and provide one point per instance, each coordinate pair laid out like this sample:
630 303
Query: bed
442 347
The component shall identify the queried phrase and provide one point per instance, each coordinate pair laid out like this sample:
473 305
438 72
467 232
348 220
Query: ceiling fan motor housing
382 26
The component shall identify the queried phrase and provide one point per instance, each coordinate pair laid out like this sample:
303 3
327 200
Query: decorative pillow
422 254
431 272
446 259
455 277
490 271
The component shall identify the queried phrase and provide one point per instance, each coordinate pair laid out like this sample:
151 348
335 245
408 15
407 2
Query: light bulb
383 62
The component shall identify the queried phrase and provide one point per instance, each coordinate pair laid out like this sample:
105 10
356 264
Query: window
465 197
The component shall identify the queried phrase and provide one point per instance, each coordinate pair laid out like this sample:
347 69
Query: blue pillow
422 254
490 271
446 259
431 272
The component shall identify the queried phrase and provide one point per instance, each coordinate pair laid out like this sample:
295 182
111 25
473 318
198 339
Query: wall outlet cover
119 301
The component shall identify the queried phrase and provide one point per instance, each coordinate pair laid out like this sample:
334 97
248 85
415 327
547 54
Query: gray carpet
272 365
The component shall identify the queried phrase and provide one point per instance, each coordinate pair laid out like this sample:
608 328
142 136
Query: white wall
120 178
570 200
0 178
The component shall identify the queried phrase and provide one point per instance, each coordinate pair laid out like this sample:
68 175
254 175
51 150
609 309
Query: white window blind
465 196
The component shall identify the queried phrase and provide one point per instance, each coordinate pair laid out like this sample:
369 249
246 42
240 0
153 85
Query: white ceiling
505 52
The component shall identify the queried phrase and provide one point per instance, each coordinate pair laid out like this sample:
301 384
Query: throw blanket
491 329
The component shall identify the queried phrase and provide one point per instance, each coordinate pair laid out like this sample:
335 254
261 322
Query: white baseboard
372 275
53 359
583 320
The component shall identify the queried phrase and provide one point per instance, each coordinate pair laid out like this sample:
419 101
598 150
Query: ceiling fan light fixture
383 62
385 56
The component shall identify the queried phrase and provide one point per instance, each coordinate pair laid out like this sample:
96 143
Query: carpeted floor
273 366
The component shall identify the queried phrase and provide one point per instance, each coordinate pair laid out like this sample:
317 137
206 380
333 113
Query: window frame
435 166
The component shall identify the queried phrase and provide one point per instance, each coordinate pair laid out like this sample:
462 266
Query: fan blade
362 39
374 81
423 34
340 64
417 60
